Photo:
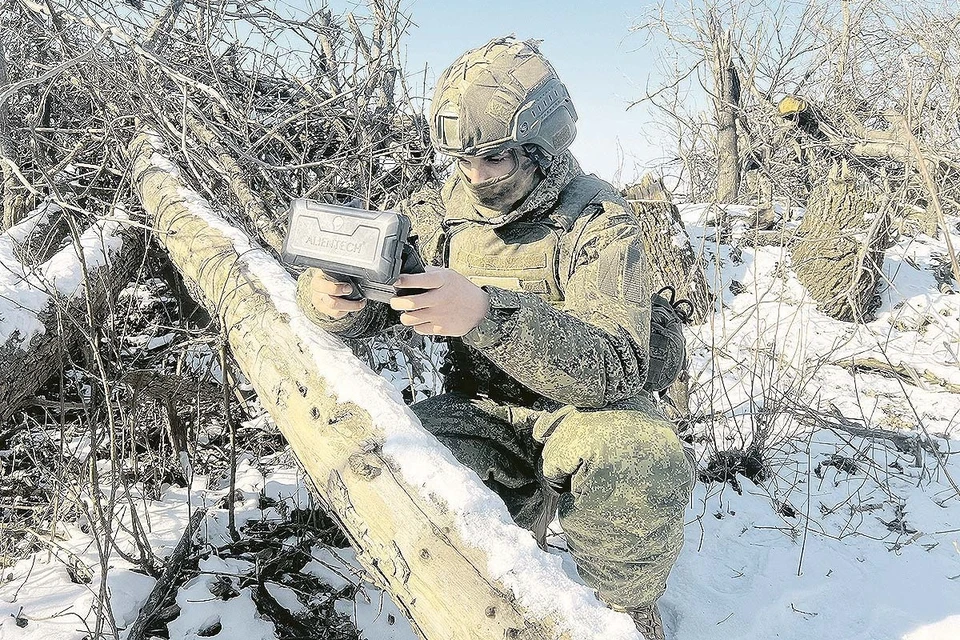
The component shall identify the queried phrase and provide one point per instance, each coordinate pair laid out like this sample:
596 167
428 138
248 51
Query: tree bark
11 203
27 361
843 237
673 263
410 544
667 245
726 101
228 167
34 240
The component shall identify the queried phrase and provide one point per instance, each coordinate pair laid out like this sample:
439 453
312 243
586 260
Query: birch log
447 582
227 166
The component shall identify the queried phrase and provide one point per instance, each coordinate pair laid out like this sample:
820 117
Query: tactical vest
523 255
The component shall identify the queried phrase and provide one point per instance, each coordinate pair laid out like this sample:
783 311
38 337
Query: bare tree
261 104
726 100
719 63
866 83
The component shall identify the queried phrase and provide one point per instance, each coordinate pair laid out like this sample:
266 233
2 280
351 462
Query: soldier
539 283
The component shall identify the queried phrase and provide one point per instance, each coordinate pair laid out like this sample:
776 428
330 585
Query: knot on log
366 465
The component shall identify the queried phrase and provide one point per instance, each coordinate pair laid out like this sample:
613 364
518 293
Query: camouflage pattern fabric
589 347
626 481
584 343
574 347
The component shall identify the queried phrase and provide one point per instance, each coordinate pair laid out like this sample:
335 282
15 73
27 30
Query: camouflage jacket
568 282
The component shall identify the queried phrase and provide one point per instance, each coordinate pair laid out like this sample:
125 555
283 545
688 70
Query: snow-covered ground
847 537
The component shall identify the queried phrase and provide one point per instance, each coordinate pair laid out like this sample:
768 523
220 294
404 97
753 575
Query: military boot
648 622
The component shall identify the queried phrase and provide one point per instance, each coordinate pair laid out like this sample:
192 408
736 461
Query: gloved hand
563 452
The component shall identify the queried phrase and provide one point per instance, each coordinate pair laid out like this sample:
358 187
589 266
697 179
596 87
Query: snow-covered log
33 240
45 310
228 167
424 526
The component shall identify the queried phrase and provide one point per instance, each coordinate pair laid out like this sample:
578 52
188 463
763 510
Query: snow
24 293
857 579
847 538
334 569
237 616
835 568
18 233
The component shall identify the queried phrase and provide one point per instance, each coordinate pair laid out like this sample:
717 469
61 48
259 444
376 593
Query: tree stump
667 245
843 238
672 263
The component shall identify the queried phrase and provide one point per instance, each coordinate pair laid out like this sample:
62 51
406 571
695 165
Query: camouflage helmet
500 96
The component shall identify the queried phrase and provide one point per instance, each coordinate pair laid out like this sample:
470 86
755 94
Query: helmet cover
500 96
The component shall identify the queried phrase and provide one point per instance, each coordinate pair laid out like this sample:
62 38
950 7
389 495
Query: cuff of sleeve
498 322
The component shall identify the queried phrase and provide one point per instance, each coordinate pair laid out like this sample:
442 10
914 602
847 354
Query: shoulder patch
623 278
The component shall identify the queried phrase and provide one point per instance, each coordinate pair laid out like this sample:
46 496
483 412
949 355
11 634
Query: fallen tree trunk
904 372
33 240
228 167
45 311
424 527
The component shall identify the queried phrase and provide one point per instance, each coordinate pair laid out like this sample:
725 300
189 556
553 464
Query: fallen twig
902 371
171 570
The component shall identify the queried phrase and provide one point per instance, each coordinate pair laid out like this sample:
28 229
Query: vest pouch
524 257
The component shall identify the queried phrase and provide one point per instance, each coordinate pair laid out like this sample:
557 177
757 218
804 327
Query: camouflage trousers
622 475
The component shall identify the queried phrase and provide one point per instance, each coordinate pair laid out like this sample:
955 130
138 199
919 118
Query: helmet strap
539 155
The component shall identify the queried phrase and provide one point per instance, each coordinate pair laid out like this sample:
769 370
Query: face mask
500 195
